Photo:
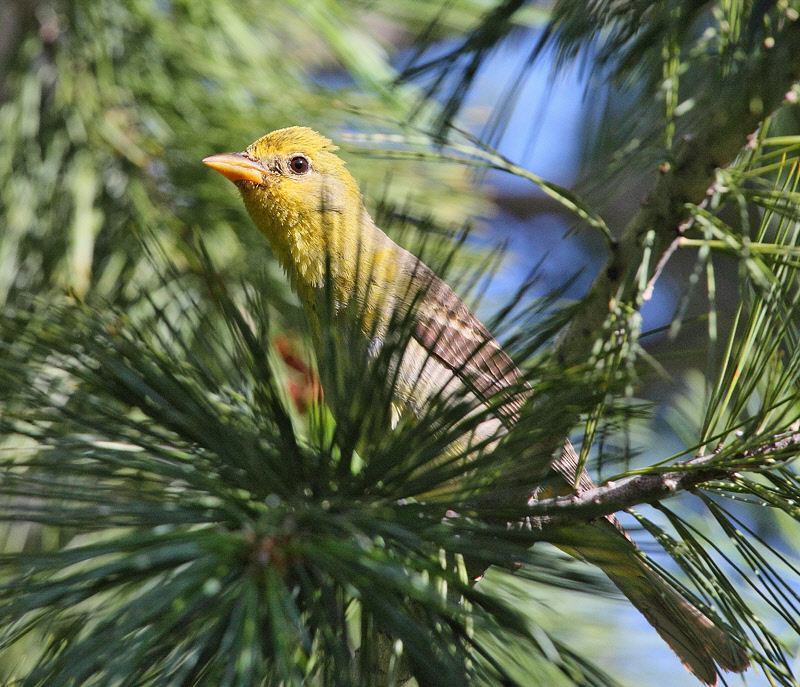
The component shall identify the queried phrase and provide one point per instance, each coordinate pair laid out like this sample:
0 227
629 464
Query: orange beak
236 167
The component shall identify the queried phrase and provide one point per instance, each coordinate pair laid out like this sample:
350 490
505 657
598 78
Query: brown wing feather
449 330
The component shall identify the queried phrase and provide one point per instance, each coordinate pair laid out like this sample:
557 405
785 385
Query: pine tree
181 508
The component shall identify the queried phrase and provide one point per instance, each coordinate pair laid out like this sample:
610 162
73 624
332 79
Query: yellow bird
301 197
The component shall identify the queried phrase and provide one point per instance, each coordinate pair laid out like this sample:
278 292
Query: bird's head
295 188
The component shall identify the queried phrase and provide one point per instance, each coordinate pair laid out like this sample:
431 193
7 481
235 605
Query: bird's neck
344 249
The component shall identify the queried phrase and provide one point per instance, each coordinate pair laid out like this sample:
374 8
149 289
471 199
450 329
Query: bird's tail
703 646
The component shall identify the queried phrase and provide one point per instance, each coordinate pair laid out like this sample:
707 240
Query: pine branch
738 107
651 488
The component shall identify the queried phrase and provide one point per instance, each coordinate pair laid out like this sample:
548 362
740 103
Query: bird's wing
446 328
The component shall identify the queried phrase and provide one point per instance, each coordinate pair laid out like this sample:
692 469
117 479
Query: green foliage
108 108
219 537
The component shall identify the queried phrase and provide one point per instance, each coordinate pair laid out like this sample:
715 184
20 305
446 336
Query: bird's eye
299 164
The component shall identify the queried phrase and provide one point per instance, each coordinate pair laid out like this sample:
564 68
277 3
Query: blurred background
107 108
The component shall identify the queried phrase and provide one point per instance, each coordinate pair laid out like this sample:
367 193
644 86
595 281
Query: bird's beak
236 167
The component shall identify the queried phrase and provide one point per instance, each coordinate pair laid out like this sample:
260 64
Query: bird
302 198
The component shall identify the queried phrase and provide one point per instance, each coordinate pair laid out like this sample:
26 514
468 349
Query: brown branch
731 113
653 487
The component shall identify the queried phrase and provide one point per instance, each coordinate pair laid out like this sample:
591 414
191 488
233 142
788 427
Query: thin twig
653 487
